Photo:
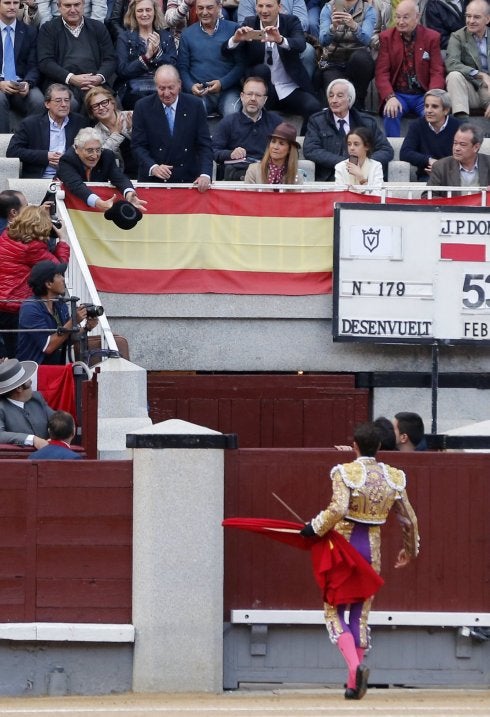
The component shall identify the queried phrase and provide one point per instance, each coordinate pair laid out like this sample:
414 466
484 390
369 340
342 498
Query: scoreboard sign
411 274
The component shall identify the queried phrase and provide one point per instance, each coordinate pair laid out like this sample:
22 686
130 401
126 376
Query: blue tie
170 118
9 72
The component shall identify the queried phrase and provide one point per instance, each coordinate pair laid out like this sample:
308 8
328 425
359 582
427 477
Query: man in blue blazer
170 138
20 74
40 140
272 43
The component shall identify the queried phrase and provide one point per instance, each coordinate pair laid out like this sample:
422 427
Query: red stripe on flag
240 203
205 281
463 252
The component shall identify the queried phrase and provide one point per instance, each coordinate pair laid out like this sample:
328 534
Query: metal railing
80 283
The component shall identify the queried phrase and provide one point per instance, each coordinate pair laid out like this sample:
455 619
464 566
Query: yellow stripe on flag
206 241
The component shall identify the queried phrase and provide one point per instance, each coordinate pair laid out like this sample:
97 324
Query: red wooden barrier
264 410
449 491
65 541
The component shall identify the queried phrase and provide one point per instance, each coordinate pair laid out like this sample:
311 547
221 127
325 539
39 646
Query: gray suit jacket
17 423
445 173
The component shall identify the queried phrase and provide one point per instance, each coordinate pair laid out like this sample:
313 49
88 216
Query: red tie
87 173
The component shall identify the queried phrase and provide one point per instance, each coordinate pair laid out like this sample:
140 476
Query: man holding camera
47 312
20 75
272 43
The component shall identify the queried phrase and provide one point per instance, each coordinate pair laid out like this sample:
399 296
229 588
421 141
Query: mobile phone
257 34
204 85
17 85
339 6
354 160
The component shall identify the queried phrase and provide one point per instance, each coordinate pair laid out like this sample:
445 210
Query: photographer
48 313
23 244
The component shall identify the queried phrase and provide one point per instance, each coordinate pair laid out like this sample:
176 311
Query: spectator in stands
386 434
409 432
430 137
276 58
114 125
28 12
359 169
46 313
445 16
247 8
279 165
40 140
467 167
86 161
204 70
24 413
171 140
346 33
179 15
20 75
468 62
22 245
409 63
242 137
364 492
11 202
325 140
142 47
93 9
76 50
297 8
61 431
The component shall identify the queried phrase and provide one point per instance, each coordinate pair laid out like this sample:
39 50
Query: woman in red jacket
22 244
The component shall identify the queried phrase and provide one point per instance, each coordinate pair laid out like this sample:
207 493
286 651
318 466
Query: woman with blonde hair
279 165
141 49
114 125
23 244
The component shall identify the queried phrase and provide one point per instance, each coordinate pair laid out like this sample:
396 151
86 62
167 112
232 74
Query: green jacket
462 55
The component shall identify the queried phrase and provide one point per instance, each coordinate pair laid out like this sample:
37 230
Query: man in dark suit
75 50
272 43
409 63
86 161
326 137
24 414
18 63
39 141
170 137
61 429
467 167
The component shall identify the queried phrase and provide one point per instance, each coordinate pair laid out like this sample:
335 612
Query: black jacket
326 146
30 142
71 171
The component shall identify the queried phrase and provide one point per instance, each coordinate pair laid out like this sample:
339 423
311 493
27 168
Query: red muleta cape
343 575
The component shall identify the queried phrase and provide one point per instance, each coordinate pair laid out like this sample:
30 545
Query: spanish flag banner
220 241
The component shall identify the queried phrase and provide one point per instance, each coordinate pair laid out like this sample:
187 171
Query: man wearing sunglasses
272 42
40 140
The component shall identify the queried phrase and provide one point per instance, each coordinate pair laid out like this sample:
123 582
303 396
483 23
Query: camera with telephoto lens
93 310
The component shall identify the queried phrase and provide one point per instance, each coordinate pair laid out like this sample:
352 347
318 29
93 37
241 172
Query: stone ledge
66 632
